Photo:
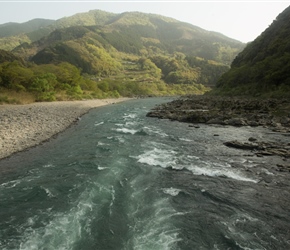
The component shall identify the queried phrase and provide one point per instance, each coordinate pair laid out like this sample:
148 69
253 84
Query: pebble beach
25 126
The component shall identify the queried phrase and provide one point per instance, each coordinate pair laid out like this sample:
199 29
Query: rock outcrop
272 113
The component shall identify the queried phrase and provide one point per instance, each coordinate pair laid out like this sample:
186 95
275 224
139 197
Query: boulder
240 145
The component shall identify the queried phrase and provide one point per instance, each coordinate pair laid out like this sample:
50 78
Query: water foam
214 169
130 124
218 170
98 124
48 192
171 191
166 158
158 157
152 231
10 184
48 166
116 138
185 139
154 130
65 229
112 200
126 131
102 168
130 116
61 232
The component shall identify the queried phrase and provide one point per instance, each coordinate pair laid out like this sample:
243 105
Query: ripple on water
169 158
64 229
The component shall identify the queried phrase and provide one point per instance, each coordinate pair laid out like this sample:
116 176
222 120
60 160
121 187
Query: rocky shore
25 126
273 114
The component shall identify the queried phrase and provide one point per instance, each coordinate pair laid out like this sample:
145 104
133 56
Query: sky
240 20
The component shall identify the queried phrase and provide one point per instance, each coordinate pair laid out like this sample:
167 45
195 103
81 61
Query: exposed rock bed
24 126
262 148
270 113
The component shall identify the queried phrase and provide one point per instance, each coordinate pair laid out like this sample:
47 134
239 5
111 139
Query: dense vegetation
262 68
100 54
49 82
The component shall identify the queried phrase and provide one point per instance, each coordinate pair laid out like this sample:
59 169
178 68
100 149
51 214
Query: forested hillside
100 54
12 29
262 68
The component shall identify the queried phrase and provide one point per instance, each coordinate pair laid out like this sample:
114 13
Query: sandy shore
25 126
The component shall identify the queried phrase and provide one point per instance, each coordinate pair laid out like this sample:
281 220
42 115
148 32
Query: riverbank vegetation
49 82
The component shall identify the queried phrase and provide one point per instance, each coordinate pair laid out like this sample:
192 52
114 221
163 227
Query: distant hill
150 30
91 18
12 29
35 29
104 54
263 66
93 42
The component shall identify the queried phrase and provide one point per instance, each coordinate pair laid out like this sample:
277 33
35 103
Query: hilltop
13 29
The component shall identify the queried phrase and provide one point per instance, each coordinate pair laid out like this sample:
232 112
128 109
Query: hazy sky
241 20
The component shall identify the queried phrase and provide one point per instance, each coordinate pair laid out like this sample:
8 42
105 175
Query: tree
147 64
43 87
15 76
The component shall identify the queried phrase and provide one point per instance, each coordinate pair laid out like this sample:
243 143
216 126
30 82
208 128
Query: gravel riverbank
25 126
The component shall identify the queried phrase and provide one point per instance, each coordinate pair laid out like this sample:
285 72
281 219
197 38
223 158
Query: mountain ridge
263 66
131 53
129 32
99 17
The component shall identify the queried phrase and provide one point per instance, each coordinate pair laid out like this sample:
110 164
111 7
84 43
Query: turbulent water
120 180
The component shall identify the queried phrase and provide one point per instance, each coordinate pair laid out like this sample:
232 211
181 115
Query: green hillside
262 68
128 54
160 31
14 34
144 35
13 29
6 56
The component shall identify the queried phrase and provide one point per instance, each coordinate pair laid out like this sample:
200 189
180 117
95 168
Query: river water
120 180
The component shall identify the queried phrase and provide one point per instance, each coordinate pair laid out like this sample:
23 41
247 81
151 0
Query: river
120 180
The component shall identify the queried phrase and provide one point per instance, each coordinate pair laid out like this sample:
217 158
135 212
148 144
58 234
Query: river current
120 180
